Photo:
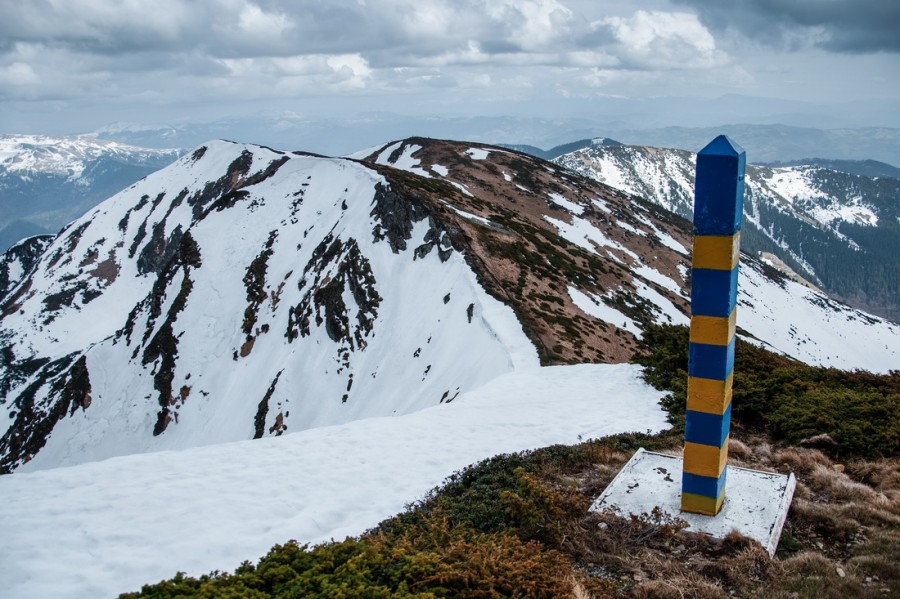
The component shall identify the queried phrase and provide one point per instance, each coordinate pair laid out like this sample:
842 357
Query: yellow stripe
709 395
705 460
698 504
713 330
718 252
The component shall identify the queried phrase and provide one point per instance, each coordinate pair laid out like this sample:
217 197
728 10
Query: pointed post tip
722 146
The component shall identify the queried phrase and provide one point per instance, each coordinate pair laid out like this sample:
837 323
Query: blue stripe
711 361
713 292
707 429
719 191
706 486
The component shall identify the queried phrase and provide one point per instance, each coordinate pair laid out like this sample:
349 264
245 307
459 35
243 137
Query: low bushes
792 401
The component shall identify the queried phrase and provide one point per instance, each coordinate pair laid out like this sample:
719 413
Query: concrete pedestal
756 503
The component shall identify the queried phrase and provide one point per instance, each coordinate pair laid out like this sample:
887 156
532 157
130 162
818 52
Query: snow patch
104 528
569 205
461 187
592 305
585 235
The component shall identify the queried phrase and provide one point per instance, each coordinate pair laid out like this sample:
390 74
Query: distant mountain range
46 182
763 142
839 230
245 292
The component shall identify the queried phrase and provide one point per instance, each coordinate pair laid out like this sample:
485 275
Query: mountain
771 142
868 168
245 292
46 182
557 151
339 136
840 231
641 122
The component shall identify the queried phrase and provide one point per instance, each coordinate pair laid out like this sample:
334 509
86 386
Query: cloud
17 73
247 48
664 40
852 26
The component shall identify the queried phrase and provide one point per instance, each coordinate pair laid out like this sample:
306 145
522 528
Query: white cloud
664 40
258 24
18 73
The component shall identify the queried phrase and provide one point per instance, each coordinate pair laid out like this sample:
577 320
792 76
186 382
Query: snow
408 163
63 155
477 153
668 312
586 236
103 528
461 187
592 305
400 369
796 184
669 241
405 161
386 152
756 503
440 169
792 184
365 152
569 205
507 177
601 205
660 279
802 323
472 217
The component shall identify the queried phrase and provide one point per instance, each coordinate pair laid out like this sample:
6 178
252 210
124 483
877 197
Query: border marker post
718 210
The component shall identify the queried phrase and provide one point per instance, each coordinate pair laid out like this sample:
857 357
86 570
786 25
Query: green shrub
863 422
788 399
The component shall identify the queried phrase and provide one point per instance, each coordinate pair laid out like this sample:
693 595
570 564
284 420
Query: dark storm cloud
852 26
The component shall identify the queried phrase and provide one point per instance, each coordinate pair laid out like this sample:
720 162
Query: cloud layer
149 54
71 48
856 26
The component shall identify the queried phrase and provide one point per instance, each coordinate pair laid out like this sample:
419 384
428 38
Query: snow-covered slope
100 529
240 293
19 260
837 229
647 252
45 181
246 292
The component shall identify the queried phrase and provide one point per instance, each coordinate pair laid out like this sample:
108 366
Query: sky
69 66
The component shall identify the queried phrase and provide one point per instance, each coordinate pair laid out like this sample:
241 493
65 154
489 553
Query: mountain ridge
840 231
246 292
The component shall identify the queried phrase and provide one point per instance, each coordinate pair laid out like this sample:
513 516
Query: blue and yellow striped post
718 207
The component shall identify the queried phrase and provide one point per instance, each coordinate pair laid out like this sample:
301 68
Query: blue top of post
719 188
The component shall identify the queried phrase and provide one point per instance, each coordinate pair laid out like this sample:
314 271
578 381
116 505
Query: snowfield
103 528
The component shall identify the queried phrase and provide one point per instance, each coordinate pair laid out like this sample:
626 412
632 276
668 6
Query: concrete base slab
756 503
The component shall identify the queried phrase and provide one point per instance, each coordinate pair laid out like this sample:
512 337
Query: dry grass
841 538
